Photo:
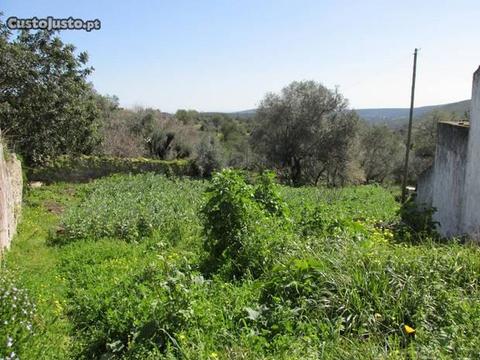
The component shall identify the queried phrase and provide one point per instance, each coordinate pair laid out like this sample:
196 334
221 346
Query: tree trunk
296 170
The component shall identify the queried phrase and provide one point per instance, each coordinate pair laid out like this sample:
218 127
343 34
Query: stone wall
85 168
11 185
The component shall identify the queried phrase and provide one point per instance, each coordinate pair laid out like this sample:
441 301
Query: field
150 267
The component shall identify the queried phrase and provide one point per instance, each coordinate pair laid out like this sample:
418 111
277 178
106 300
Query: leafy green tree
209 156
297 129
47 108
382 152
333 157
424 141
187 117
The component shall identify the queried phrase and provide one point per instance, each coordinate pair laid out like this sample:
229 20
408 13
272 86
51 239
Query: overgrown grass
339 287
34 265
133 208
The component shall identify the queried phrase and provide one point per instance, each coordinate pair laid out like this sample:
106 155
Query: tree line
307 133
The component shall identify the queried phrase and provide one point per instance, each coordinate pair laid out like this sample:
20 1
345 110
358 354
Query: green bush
239 233
267 194
209 157
230 215
416 223
84 168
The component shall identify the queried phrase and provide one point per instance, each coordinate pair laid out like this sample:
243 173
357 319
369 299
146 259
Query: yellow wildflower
408 330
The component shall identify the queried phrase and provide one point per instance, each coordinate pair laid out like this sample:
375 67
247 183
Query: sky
225 55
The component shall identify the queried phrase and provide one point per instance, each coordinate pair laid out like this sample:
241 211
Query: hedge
84 168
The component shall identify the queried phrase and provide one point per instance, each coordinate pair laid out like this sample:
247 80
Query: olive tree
305 130
382 152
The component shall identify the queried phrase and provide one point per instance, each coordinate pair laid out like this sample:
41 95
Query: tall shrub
238 225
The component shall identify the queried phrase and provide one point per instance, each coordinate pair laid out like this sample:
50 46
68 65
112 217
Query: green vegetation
47 107
35 269
132 208
146 264
84 168
306 131
146 267
16 314
243 226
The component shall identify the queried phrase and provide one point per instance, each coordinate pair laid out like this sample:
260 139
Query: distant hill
390 116
399 115
245 114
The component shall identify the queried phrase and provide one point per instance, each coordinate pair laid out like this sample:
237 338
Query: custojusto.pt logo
51 23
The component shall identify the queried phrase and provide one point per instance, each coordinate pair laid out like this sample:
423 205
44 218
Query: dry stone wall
11 184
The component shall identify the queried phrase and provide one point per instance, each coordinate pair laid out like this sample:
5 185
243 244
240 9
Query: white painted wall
452 186
471 209
449 177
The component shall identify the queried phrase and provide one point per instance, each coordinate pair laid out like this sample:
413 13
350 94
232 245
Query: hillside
390 116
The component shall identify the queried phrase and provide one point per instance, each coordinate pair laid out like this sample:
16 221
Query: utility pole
409 136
